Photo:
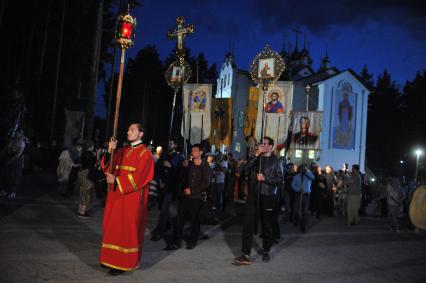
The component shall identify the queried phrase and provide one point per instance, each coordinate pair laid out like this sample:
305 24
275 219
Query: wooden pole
171 118
117 108
185 149
111 82
202 129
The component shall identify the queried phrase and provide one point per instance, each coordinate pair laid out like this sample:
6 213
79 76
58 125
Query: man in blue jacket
301 184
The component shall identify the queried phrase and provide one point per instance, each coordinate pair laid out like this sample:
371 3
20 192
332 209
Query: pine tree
366 76
413 131
383 125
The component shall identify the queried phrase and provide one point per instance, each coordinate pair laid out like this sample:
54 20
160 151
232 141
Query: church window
311 154
298 153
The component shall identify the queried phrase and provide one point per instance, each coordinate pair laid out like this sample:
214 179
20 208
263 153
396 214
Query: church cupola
230 59
325 62
305 57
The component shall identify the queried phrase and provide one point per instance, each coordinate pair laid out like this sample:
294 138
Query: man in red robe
127 202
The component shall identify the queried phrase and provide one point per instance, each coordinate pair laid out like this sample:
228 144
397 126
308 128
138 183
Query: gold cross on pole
180 32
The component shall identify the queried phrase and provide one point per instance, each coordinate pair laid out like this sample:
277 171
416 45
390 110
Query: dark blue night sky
384 34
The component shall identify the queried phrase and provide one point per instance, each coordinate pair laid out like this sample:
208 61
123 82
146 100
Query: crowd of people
206 188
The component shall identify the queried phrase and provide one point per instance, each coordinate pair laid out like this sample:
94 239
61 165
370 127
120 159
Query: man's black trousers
266 214
189 209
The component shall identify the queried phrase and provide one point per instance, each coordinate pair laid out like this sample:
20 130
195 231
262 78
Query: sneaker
242 260
172 247
190 246
266 257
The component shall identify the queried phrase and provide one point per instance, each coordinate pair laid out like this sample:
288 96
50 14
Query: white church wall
329 90
224 82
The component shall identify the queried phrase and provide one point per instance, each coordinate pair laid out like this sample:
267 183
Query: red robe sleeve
141 176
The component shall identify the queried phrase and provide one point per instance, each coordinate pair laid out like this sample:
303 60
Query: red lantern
125 30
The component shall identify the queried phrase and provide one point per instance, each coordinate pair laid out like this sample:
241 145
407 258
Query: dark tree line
147 98
56 52
396 123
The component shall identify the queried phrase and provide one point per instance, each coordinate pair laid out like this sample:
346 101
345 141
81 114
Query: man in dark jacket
169 167
266 176
196 180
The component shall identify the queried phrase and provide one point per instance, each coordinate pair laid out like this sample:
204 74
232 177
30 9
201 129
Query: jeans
300 209
217 195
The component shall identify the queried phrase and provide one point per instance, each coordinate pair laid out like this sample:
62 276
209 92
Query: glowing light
127 30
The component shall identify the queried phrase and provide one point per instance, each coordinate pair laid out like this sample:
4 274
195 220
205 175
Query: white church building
341 97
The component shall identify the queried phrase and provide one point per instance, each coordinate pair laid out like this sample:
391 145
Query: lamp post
418 153
124 38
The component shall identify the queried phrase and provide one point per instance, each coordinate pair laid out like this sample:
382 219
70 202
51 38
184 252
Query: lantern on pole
124 37
125 32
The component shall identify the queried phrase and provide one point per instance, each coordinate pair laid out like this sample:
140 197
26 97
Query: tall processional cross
180 32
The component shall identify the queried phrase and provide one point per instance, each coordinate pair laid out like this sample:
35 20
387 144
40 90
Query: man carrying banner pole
265 169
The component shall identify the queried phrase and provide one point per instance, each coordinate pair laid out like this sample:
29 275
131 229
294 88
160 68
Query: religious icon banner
306 130
277 110
250 122
344 117
221 135
177 74
197 104
266 68
74 126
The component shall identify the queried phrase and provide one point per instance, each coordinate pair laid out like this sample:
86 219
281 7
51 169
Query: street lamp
418 152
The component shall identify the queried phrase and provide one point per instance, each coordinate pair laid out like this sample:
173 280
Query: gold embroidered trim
130 152
143 151
124 167
117 267
120 249
132 181
119 185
